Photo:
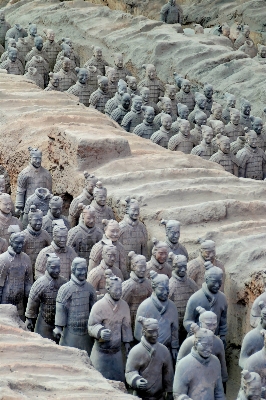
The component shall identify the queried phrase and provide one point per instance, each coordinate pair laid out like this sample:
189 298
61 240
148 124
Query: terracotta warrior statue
81 89
170 92
242 37
210 298
200 119
99 204
253 341
237 145
65 253
183 140
73 55
181 289
152 82
234 129
261 56
172 230
216 115
92 80
74 302
149 367
111 235
36 238
6 218
172 13
218 129
135 116
245 109
67 77
206 258
256 362
54 82
15 272
41 65
255 314
251 159
114 102
158 306
86 234
65 53
23 47
4 27
85 198
99 98
31 178
224 157
159 259
208 93
97 60
257 126
124 108
251 386
20 57
166 106
182 113
162 136
207 320
34 76
147 127
145 95
137 288
12 64
51 47
98 275
132 85
185 96
42 299
112 80
205 149
200 105
54 214
230 103
37 50
40 198
33 33
249 48
5 186
15 32
133 234
198 375
121 71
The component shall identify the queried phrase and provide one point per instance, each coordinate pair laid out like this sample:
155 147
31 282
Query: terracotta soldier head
207 134
207 319
83 76
113 286
2 16
68 41
102 83
245 107
111 74
2 184
56 206
217 110
208 91
118 60
35 218
251 385
207 250
79 268
160 251
54 79
145 94
149 114
35 157
186 86
66 64
166 104
160 285
225 29
132 82
60 232
170 91
150 329
53 265
172 230
109 255
49 33
203 341
179 264
178 79
256 124
223 143
137 264
126 101
5 203
218 127
90 182
234 116
12 54
136 103
200 100
200 118
214 279
182 111
184 127
132 208
88 215
251 138
100 194
97 52
111 229
66 50
166 121
246 31
32 29
16 239
12 43
38 42
150 71
230 100
261 50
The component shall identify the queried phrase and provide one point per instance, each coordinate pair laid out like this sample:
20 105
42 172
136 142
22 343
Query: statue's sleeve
189 317
34 299
196 151
40 264
181 380
126 122
21 189
219 390
93 296
95 325
126 291
221 357
94 99
144 245
3 271
63 295
28 277
123 261
93 278
133 366
168 373
192 269
126 325
184 350
95 256
141 312
72 239
174 141
115 115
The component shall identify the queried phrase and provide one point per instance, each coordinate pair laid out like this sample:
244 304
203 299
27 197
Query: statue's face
201 121
219 129
53 268
151 334
112 76
17 244
126 102
112 232
235 118
226 31
140 268
186 87
207 136
6 205
89 219
133 212
184 128
39 43
132 84
253 391
161 254
98 54
204 346
246 109
167 106
152 73
218 113
12 55
66 65
36 222
209 323
100 198
67 53
2 185
83 77
208 253
104 86
119 61
224 146
171 94
36 160
173 233
184 113
55 81
202 103
60 239
145 95
252 140
257 126
208 91
214 283
180 269
149 116
167 122
90 185
115 290
137 104
110 256
33 30
81 271
121 89
162 290
56 210
50 36
13 44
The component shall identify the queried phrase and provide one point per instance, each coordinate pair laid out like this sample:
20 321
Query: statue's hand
58 332
141 383
29 324
106 335
18 211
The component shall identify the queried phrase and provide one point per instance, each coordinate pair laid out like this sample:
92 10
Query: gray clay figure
86 234
216 114
185 96
159 259
65 53
111 235
208 93
42 299
261 56
23 47
41 65
149 368
137 288
99 98
54 214
114 102
97 276
182 113
170 92
33 33
4 56
132 85
162 136
237 145
152 82
82 89
257 126
200 105
60 248
4 27
251 159
85 198
218 129
36 238
51 48
12 65
112 80
234 129
99 204
37 50
253 341
178 80
210 298
67 77
97 60
74 302
73 55
205 149
256 362
172 231
147 127
40 198
200 119
172 13
15 272
121 71
6 218
159 306
198 375
249 48
183 140
181 288
207 256
15 32
166 106
124 108
145 95
223 157
54 82
135 116
34 76
245 109
244 32
230 103
109 323
207 320
251 387
31 178
255 313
